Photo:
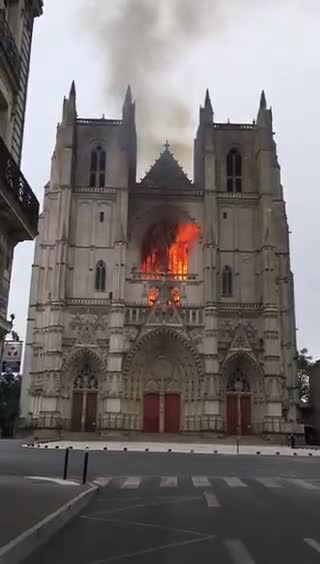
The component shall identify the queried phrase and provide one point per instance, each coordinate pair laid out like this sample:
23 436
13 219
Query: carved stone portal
162 361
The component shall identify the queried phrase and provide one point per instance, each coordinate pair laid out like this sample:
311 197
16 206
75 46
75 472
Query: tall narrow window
100 276
234 171
227 282
98 167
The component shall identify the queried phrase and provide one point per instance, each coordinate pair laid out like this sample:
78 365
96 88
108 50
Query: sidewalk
179 447
31 510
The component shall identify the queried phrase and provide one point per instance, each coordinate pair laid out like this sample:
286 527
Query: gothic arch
158 334
76 360
247 365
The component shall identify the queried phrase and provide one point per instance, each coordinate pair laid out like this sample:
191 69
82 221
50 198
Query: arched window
234 171
101 276
98 167
227 282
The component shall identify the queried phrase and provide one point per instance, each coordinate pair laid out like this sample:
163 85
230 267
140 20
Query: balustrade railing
138 315
163 276
18 187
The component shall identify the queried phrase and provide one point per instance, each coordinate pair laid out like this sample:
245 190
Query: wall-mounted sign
11 356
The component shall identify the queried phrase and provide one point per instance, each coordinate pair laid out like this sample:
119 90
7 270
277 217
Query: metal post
85 468
238 444
66 461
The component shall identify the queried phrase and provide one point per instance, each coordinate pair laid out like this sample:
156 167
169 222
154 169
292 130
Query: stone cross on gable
167 145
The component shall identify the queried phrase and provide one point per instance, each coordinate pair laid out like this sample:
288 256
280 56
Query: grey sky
273 45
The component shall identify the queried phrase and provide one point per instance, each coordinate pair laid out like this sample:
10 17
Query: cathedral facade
164 305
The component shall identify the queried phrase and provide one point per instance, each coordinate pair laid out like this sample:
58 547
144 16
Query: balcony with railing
8 49
18 204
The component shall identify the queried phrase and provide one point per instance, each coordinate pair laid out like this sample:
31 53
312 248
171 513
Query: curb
298 451
18 550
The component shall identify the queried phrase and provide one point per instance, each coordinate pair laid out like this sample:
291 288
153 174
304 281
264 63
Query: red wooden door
232 415
91 412
77 402
172 413
151 406
245 415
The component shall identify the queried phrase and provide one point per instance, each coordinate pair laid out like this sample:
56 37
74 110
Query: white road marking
102 482
234 482
155 549
313 543
131 482
201 482
238 551
169 482
211 499
269 483
302 484
58 481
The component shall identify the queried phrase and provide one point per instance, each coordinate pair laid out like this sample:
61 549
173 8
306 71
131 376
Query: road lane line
302 483
200 482
238 551
153 549
131 482
313 543
169 482
211 499
234 482
269 483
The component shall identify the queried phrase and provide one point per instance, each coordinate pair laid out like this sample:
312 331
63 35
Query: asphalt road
18 461
202 519
172 508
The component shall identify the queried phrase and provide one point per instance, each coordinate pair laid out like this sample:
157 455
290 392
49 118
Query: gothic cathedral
165 305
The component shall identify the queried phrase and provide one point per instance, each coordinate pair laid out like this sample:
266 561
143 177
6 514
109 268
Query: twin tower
163 305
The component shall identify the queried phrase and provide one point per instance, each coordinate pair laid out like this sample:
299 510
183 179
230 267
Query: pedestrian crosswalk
200 482
206 482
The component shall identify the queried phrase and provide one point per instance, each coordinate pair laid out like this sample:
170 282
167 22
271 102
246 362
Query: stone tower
163 305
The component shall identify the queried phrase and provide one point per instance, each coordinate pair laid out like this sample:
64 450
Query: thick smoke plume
144 43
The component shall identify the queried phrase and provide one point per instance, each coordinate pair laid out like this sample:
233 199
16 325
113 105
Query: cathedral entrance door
238 414
245 403
232 415
85 401
91 412
151 413
76 411
172 413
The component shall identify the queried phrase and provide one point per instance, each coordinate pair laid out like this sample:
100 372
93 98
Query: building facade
163 305
19 208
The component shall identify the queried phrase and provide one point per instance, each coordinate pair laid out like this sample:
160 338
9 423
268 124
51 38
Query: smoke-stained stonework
164 305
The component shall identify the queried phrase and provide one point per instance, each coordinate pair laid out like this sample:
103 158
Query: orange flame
175 255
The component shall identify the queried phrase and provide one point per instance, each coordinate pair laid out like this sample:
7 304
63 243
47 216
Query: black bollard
238 444
66 461
85 468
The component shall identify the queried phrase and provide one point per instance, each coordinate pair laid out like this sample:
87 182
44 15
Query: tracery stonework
156 303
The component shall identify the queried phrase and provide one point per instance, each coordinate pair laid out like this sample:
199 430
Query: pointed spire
73 90
206 113
128 109
264 118
263 101
128 98
70 106
207 103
